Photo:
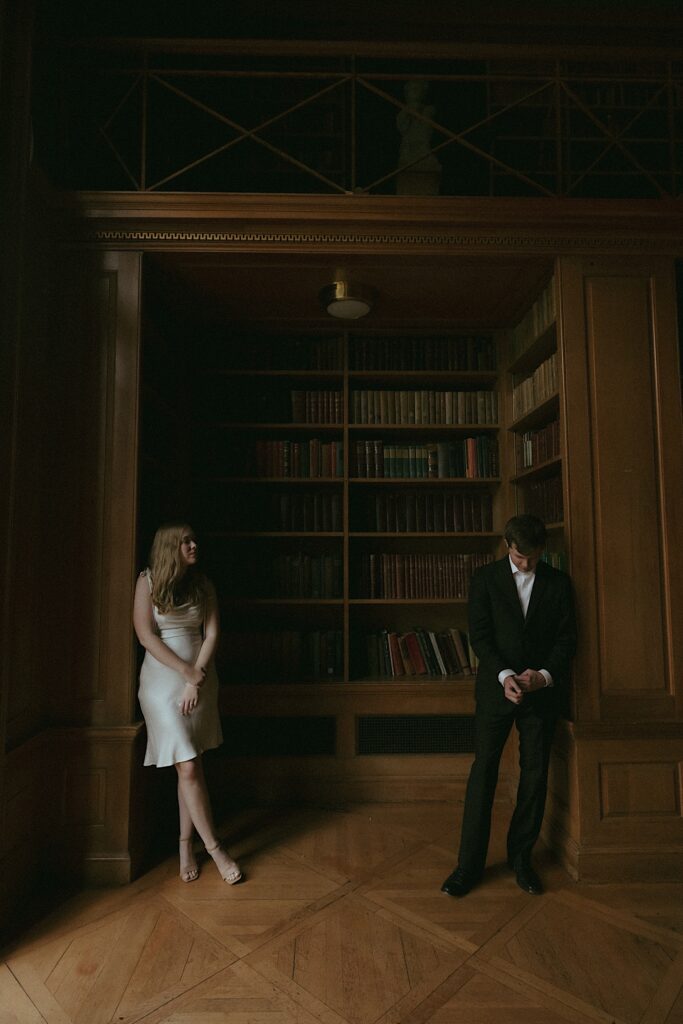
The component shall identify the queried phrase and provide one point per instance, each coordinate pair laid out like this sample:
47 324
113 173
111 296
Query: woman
176 620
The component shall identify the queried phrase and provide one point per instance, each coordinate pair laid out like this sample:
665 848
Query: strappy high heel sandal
232 875
189 874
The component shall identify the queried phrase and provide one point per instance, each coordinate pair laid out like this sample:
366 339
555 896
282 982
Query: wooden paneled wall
69 738
616 787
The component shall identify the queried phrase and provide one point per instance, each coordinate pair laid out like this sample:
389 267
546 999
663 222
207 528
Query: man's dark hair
527 533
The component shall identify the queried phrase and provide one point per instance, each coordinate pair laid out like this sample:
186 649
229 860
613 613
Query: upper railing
155 120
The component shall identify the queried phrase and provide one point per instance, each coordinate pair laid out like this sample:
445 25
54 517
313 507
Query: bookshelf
347 486
583 128
525 114
534 442
634 116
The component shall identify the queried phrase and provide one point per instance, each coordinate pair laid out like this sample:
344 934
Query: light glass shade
347 300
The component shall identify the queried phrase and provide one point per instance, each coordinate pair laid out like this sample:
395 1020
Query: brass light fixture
347 300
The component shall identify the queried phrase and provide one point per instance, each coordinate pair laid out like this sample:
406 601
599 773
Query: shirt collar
516 570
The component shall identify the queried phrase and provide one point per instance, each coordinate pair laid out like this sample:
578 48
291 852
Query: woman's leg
189 870
194 794
185 818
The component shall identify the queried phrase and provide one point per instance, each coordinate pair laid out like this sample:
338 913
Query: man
523 630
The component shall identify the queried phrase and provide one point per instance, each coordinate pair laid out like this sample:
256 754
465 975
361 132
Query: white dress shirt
524 582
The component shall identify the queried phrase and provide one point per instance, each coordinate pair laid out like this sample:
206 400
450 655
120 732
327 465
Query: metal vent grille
415 734
279 737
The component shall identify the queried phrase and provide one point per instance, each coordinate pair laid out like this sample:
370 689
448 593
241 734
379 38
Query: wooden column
617 782
96 735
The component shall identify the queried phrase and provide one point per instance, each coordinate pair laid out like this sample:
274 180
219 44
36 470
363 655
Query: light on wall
347 300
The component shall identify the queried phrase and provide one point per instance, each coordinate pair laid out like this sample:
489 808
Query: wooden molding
271 223
654 863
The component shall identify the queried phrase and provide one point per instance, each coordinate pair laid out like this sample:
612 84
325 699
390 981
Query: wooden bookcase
525 115
534 444
312 569
580 128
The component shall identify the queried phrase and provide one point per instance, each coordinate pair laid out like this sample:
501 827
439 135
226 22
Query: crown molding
380 224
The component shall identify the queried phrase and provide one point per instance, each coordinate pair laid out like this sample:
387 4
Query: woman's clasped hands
194 677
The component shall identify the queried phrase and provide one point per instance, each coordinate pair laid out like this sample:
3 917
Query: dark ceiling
658 23
482 292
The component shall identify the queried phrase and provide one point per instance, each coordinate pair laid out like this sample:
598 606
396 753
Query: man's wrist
546 675
504 674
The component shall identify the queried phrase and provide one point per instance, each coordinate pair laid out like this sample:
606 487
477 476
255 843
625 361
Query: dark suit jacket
503 638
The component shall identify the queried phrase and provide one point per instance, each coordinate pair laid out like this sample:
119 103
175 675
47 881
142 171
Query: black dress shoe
528 880
459 882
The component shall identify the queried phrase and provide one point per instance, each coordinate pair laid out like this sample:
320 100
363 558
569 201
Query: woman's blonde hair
173 583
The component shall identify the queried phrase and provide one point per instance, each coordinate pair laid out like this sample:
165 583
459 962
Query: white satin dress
171 736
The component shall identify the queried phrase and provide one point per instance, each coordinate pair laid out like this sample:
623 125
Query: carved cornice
380 240
392 225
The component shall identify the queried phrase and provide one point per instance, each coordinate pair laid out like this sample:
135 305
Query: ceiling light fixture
347 300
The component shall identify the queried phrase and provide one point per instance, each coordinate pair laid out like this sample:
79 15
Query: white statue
423 174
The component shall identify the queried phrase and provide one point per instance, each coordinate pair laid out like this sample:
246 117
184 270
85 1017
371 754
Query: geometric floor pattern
340 920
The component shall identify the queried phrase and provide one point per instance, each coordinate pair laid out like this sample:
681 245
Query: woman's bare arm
211 630
143 621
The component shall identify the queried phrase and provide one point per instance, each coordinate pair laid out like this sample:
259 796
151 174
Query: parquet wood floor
340 921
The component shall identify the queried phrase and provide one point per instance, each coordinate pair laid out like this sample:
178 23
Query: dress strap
148 574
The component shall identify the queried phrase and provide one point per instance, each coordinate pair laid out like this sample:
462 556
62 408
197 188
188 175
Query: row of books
443 512
535 388
415 576
471 457
289 458
277 656
457 353
302 575
420 652
405 512
318 406
544 499
387 406
541 315
454 353
305 512
537 446
284 353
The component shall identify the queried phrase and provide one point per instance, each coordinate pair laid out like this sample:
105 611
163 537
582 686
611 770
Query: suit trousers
535 728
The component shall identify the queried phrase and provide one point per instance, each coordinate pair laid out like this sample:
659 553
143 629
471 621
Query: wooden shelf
426 534
429 428
258 602
438 377
535 353
384 686
318 427
273 480
423 481
417 695
270 534
278 374
543 469
538 415
356 601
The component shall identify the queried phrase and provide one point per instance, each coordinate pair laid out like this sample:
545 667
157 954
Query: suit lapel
507 585
537 591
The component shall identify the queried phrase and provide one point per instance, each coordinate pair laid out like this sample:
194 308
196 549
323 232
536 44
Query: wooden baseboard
651 864
564 847
104 870
380 779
